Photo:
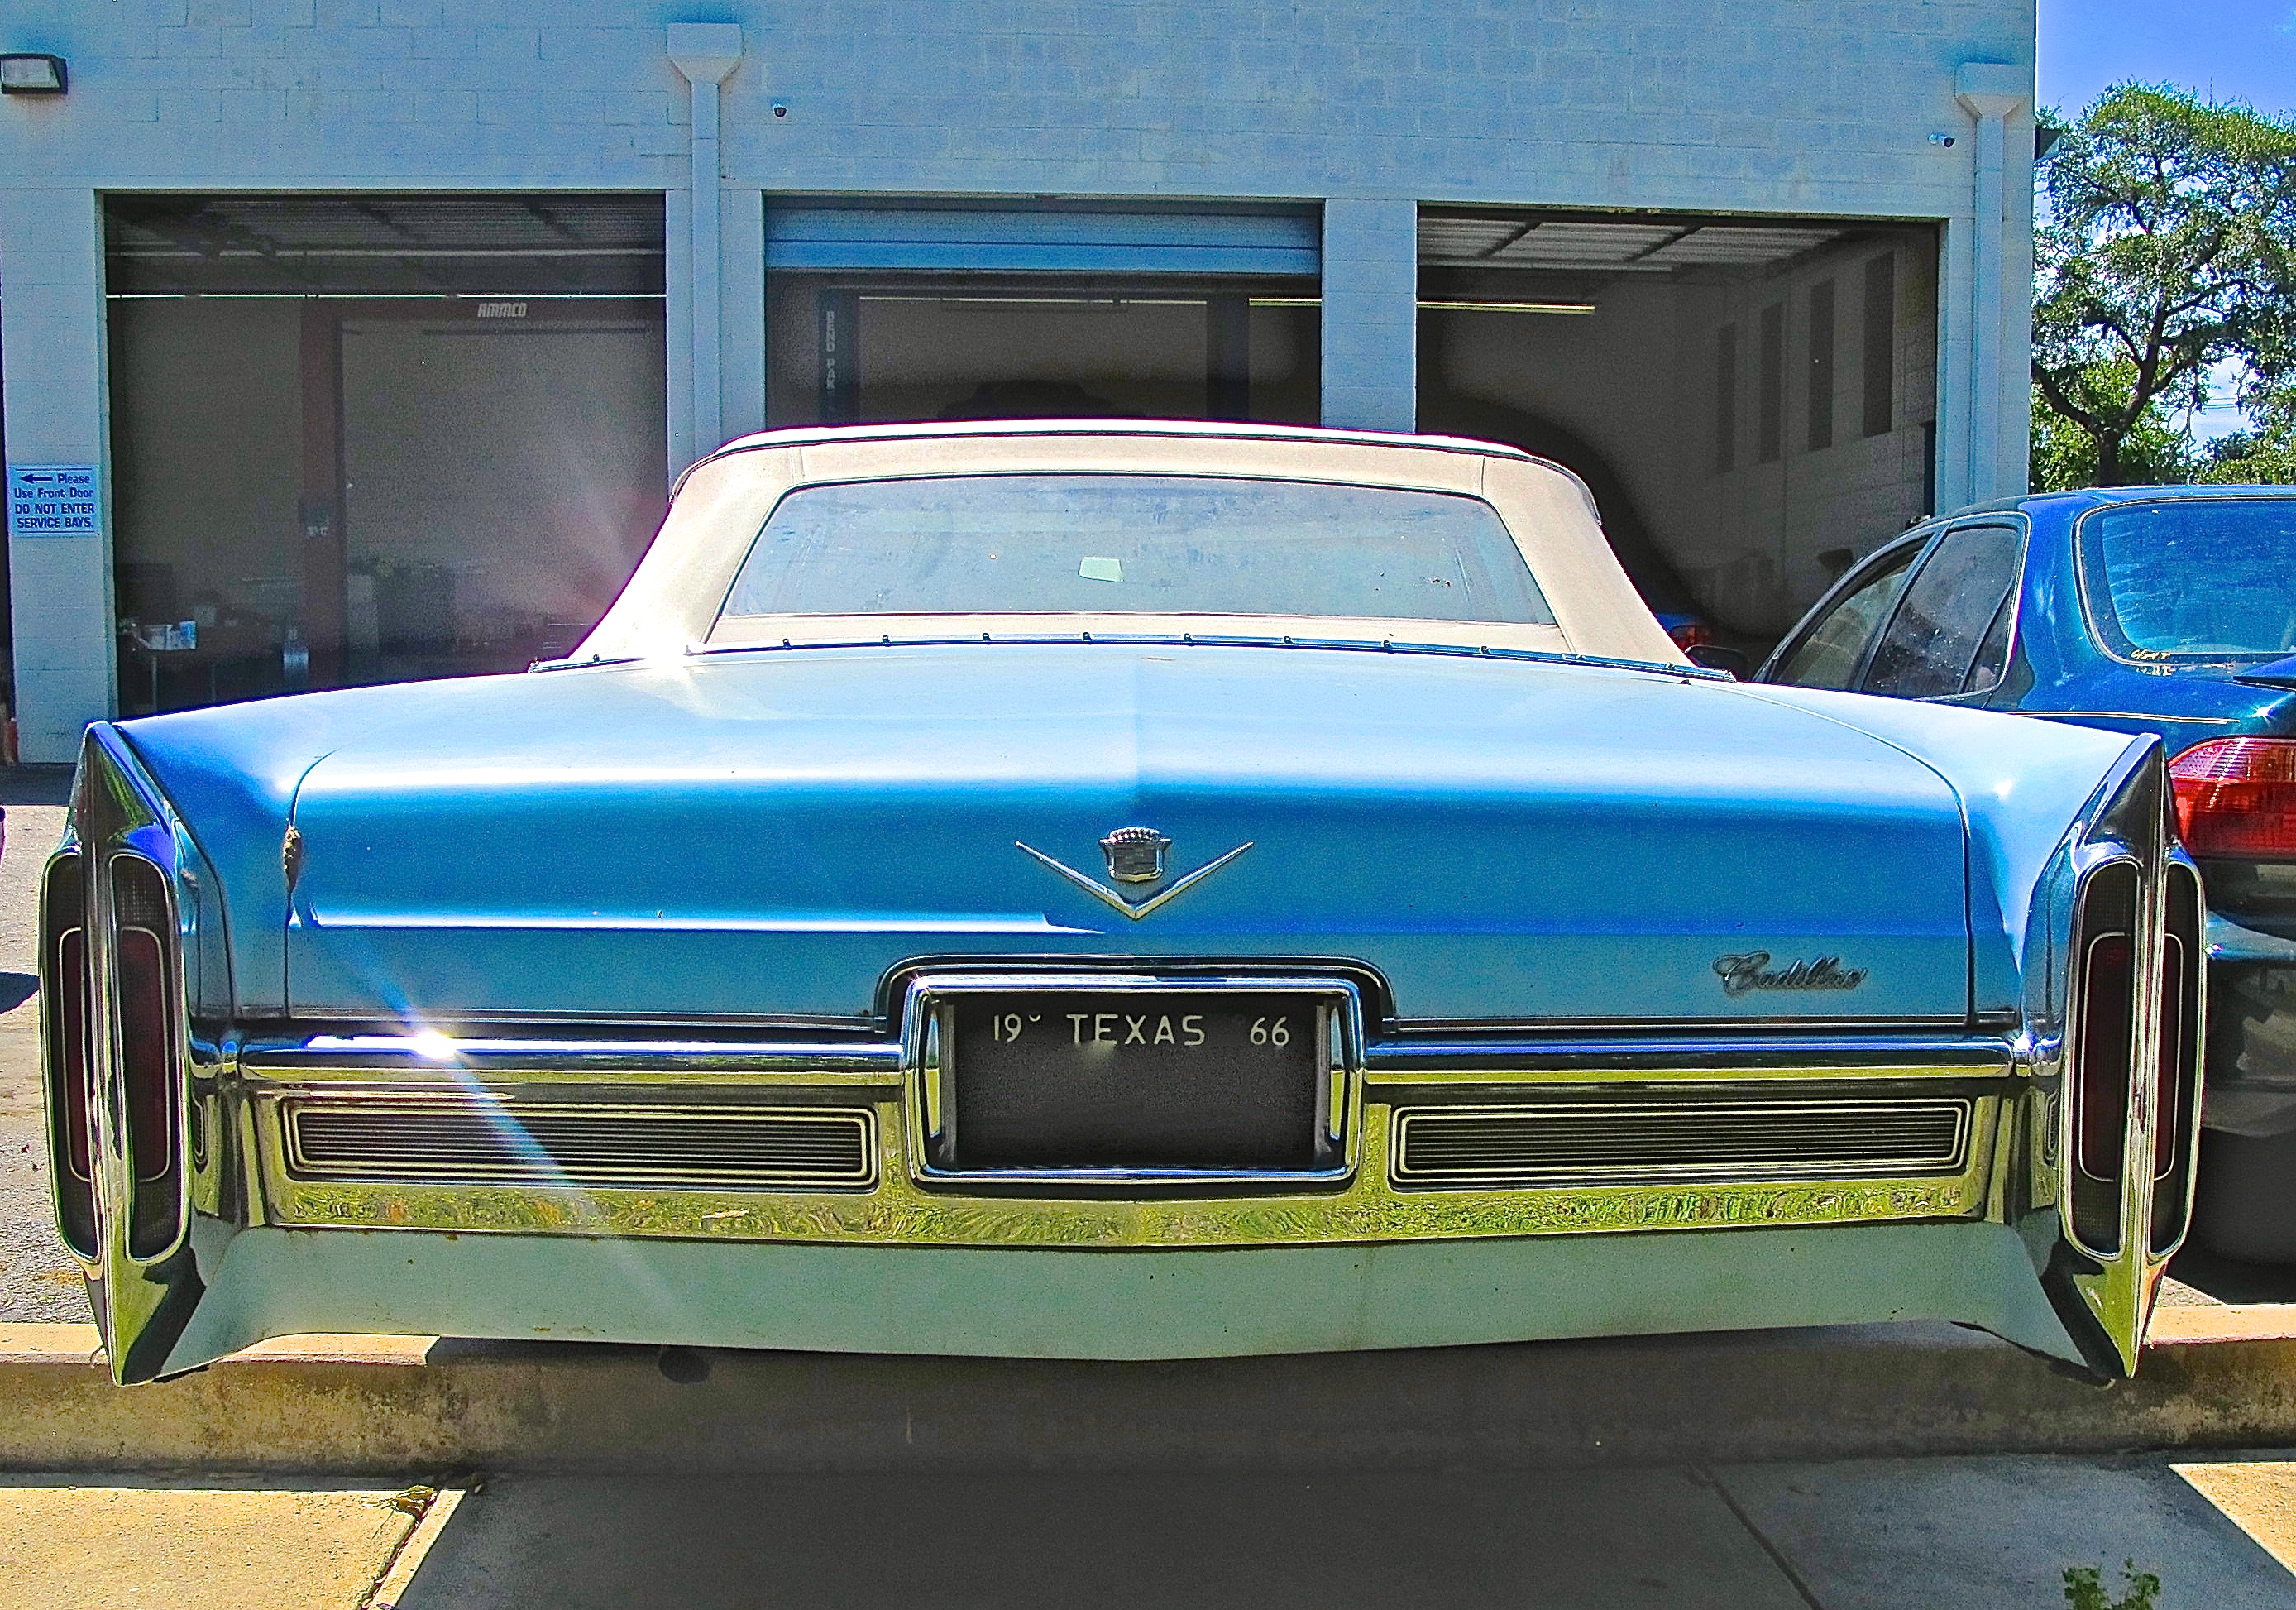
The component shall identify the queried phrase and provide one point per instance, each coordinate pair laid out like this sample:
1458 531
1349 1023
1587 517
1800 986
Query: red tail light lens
2236 799
72 1042
143 1047
2106 1022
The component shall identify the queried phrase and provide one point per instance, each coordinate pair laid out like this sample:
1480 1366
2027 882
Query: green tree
2154 449
2167 244
2250 459
2266 453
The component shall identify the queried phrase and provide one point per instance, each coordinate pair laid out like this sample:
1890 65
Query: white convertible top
673 600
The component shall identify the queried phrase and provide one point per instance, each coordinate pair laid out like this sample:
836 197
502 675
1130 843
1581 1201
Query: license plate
1197 1079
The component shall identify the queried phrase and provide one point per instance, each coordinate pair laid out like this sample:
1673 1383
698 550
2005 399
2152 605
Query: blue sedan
2167 610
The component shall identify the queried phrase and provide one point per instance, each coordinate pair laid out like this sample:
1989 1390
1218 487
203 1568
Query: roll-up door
1011 241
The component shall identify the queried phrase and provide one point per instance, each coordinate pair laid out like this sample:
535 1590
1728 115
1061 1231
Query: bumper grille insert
725 1147
1556 1142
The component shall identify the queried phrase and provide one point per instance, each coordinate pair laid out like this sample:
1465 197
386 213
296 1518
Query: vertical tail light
64 1036
2105 1047
2236 799
144 971
2178 1087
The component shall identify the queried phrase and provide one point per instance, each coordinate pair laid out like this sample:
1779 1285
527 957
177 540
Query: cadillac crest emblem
1135 855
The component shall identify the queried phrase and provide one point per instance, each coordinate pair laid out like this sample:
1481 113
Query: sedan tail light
2236 799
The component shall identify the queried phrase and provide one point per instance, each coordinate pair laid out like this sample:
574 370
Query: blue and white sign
52 499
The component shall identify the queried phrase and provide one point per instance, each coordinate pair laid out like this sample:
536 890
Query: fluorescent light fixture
1466 307
32 75
1445 307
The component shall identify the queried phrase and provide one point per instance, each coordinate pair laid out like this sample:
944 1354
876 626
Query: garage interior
900 312
1751 401
374 438
369 437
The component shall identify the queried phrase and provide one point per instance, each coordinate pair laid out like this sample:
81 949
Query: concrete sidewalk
1869 1535
2217 1377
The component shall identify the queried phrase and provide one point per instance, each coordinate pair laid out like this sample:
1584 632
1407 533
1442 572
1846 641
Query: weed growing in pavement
2085 1589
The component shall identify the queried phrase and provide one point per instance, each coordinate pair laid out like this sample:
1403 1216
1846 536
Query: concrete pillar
1954 385
706 52
52 347
742 326
1371 314
677 325
2001 281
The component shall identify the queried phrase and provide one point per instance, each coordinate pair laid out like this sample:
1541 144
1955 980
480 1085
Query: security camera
1935 139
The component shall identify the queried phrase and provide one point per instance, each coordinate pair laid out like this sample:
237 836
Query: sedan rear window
2210 578
1008 545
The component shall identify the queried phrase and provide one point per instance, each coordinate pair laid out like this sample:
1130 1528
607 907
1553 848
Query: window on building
444 450
1881 367
1726 400
1773 382
1820 365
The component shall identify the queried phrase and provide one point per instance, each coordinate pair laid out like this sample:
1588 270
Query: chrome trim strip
2127 715
1383 1061
859 921
1680 1057
1685 670
1748 1023
435 1053
900 1211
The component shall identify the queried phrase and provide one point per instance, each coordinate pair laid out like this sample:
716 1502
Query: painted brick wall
1778 106
1773 106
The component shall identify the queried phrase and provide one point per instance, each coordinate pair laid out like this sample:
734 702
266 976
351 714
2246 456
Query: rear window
1134 544
2193 579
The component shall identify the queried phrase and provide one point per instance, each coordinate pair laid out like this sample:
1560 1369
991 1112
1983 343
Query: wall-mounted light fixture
32 75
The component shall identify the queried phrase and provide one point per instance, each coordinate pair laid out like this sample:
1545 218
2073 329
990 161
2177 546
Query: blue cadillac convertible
1118 891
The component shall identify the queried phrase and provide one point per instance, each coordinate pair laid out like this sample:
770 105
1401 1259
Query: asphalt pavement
38 1283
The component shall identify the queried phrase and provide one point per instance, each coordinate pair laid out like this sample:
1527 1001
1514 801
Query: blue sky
2225 50
2229 50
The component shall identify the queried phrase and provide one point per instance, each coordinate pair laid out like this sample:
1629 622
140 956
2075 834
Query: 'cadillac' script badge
1135 855
1741 974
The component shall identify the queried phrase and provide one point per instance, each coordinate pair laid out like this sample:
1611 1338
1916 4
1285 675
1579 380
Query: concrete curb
2216 1378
